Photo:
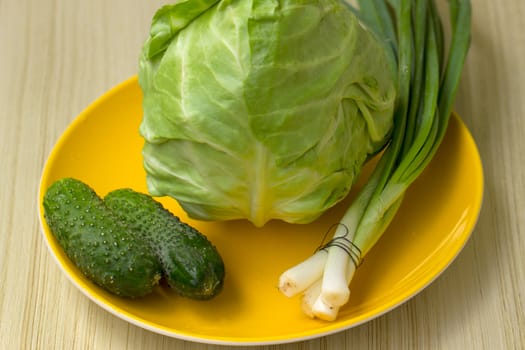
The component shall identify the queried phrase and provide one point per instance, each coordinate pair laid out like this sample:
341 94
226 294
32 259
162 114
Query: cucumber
191 264
103 249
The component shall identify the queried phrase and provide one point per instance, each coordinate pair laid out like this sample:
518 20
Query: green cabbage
261 109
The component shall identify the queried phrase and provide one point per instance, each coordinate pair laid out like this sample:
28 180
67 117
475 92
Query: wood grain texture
57 56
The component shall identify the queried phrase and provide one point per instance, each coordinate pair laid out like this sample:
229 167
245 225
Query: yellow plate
103 148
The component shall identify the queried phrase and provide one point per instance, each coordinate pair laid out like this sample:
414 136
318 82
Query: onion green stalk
427 82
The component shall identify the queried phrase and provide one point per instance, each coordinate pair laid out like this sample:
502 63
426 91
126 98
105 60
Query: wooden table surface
57 56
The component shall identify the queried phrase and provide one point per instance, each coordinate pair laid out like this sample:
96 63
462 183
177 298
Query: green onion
412 33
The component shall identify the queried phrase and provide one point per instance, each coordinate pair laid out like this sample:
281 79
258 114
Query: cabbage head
261 109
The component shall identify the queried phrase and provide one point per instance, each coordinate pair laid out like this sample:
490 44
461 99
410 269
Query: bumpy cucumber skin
191 264
101 247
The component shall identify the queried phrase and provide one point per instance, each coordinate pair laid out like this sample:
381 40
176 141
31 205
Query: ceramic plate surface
102 147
